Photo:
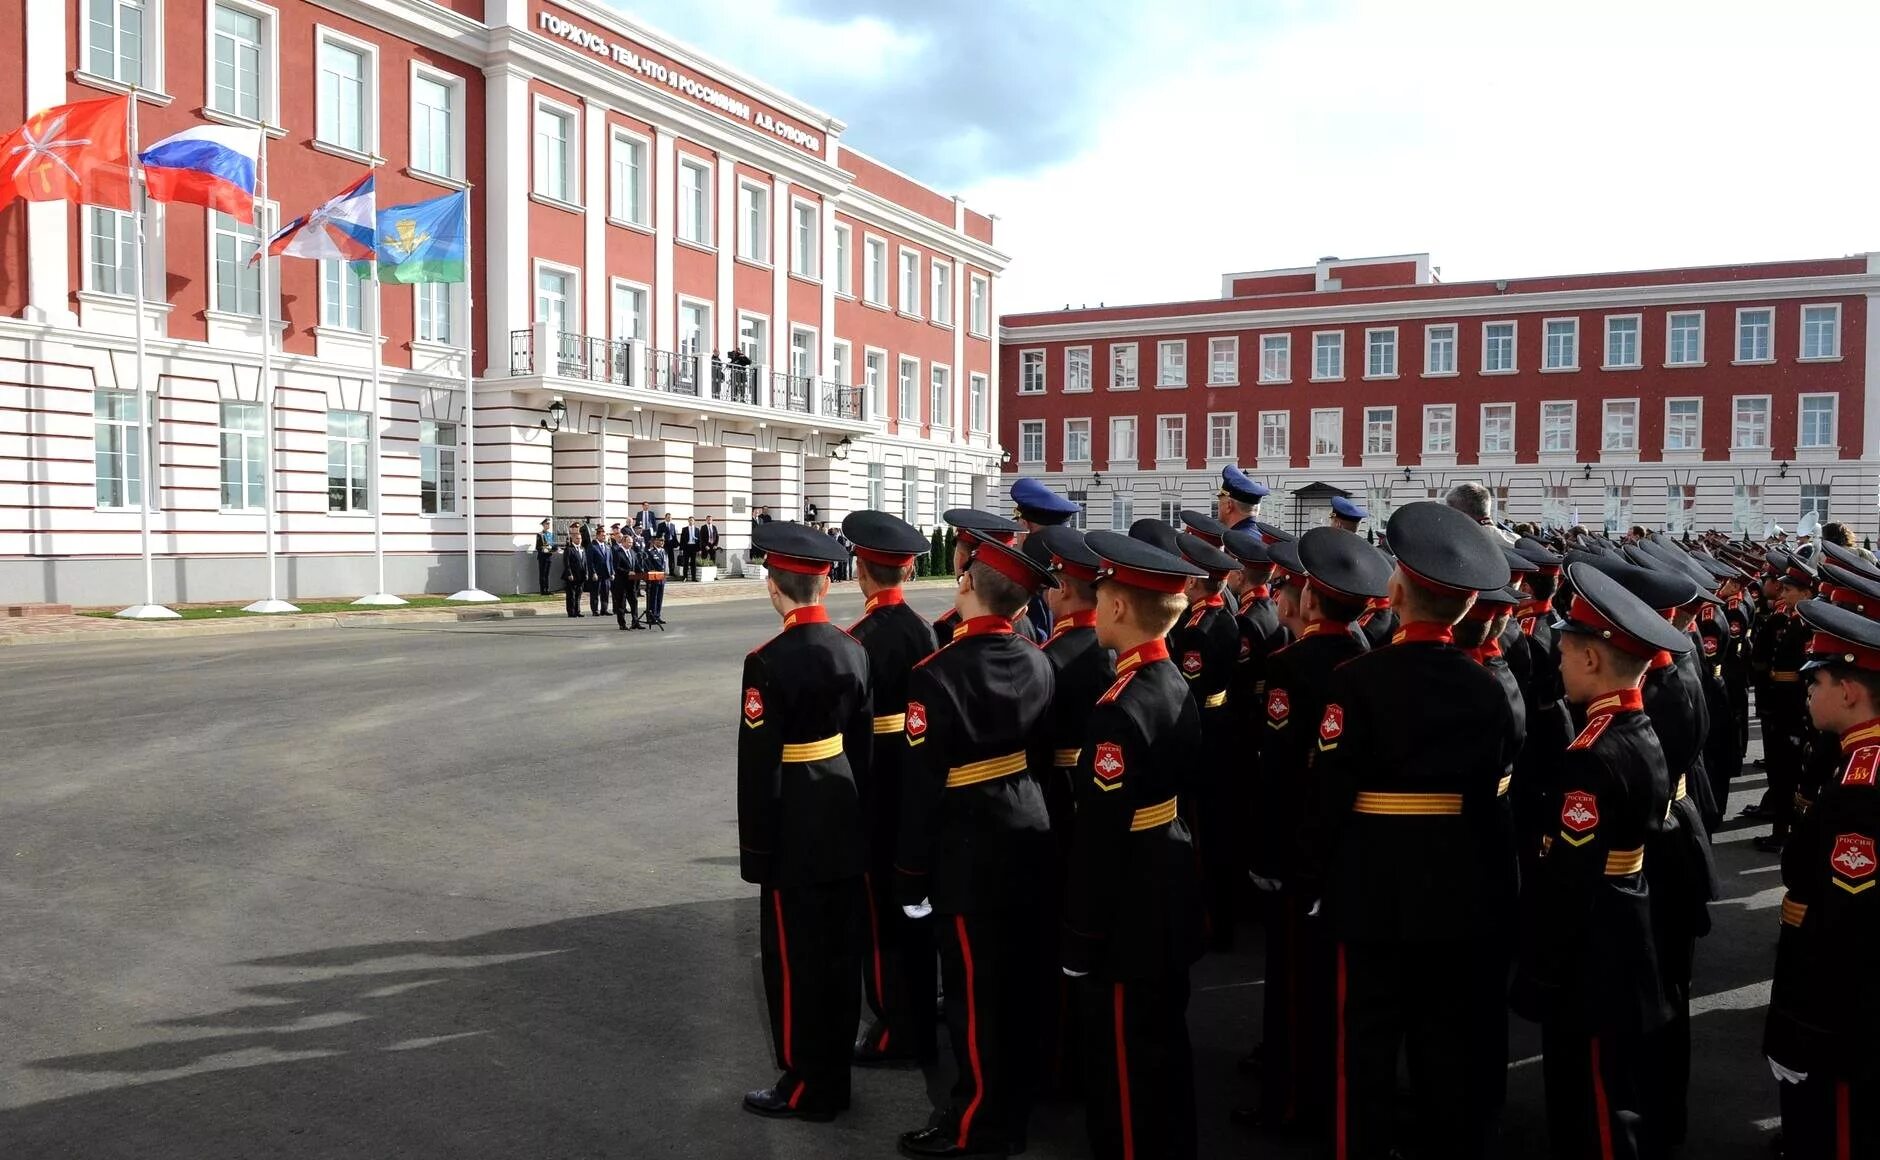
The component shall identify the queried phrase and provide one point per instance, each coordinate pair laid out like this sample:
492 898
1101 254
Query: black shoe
767 1102
943 1142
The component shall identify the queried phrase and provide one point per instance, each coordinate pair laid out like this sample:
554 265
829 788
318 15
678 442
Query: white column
1870 435
827 251
962 420
780 274
506 257
665 222
725 315
594 224
48 235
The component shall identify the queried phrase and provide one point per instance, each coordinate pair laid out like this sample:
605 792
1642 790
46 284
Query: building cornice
432 26
874 209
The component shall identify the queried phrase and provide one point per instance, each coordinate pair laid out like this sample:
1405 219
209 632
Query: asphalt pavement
471 891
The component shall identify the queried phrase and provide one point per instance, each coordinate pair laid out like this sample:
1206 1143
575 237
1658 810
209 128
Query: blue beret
1345 509
1040 504
1235 482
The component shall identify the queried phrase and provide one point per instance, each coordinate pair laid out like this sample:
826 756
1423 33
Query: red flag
76 152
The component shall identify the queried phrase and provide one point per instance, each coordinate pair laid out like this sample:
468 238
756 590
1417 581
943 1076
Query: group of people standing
1453 774
610 564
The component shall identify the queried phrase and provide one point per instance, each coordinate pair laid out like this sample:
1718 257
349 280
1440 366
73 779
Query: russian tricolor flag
210 165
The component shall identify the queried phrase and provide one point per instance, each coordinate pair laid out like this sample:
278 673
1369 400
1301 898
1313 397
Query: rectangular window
753 222
1557 426
1680 507
1751 426
845 261
1380 353
626 178
1171 364
695 202
981 305
1223 362
1620 426
1684 424
1122 512
1748 518
117 453
1754 335
1821 332
875 271
754 338
110 241
875 376
437 468
1223 435
1618 513
842 368
1171 438
1439 349
1497 347
910 282
940 396
1123 372
1622 341
1077 368
1684 339
1076 441
942 293
1031 372
1031 441
1380 430
1562 351
1497 429
1815 499
342 296
877 487
629 311
345 100
1123 439
244 457
1275 434
1328 432
910 391
1328 355
978 386
1276 358
433 126
805 240
239 48
1817 422
237 283
1439 430
348 444
1172 513
554 295
804 355
554 157
116 40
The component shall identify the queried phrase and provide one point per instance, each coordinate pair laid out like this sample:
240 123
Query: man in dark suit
544 554
627 567
688 549
600 585
763 515
708 541
670 534
573 569
645 522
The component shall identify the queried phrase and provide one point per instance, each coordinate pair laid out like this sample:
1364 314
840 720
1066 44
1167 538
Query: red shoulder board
1592 731
1200 611
753 705
916 719
1117 688
1331 726
1862 766
1278 706
1853 862
1579 811
1191 663
1108 762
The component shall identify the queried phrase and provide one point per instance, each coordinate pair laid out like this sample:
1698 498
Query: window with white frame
805 354
244 456
1122 512
1755 335
842 364
1618 513
845 260
695 201
626 178
1497 347
242 56
348 447
1620 426
237 281
1816 422
1439 429
1171 363
1561 344
1223 435
1557 420
1622 341
1684 424
1380 430
1684 338
910 495
1276 358
875 376
1497 429
910 282
345 115
1747 516
940 396
1031 372
555 297
875 271
1821 331
554 152
754 338
1077 441
114 40
979 387
1171 438
1223 361
980 304
909 401
1123 366
753 222
1815 498
342 295
117 452
1123 439
1680 507
1328 432
1275 434
805 239
1380 353
1031 441
942 292
110 245
1076 369
435 123
1172 512
1750 427
1439 349
877 487
437 468
629 312
1328 355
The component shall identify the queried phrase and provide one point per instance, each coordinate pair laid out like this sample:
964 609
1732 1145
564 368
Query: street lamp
557 411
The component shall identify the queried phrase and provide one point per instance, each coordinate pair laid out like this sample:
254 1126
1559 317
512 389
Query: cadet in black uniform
1411 750
973 526
1132 918
1588 972
975 849
898 972
804 737
1824 1014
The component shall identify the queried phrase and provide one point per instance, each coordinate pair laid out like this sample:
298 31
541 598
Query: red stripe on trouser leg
1343 1129
1843 1123
1122 1081
1599 1105
972 1031
874 942
783 958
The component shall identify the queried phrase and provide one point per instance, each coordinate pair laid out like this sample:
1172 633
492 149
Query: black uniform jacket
804 741
1205 646
1298 684
1261 635
975 834
896 638
1683 873
1133 905
1083 670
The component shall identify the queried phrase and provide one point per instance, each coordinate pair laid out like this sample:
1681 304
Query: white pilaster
780 276
661 476
1870 434
594 225
507 255
721 476
725 317
962 278
48 223
826 249
665 220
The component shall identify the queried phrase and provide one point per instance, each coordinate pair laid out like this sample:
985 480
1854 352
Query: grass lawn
234 611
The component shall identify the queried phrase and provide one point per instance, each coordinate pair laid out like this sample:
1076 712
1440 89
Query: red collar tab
1256 593
1487 652
1215 601
1625 700
884 597
1314 628
886 559
1084 619
1423 632
1833 648
1866 733
983 626
807 614
1661 660
1144 653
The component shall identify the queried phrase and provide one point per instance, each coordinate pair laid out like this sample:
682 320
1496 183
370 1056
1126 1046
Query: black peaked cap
1657 590
1204 555
1343 562
798 542
1447 549
1246 547
881 532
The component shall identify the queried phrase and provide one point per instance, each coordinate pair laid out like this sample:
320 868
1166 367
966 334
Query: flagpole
273 603
379 595
149 609
470 591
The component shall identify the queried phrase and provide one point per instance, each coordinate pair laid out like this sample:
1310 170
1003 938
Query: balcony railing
844 402
577 356
790 392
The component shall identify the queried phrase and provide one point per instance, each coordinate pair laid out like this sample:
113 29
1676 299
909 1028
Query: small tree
947 549
935 563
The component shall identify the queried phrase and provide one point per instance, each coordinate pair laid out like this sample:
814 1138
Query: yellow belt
1501 787
1427 804
1149 817
891 722
813 750
1683 791
1783 678
1622 862
986 770
1793 912
1214 700
1065 758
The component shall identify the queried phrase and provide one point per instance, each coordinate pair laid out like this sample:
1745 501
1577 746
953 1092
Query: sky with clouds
1135 150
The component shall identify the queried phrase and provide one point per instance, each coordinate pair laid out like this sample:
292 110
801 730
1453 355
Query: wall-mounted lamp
1784 473
841 450
1588 473
557 411
1406 475
1096 480
1005 457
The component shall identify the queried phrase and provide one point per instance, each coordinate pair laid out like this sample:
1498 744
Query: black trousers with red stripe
808 943
1296 1023
1594 1098
1824 1118
1139 1073
995 966
900 968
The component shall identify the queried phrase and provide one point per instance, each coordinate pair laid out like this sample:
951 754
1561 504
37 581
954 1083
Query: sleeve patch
1331 726
753 705
916 720
1278 706
1191 663
1853 862
1862 767
1592 731
1579 812
1108 762
1710 646
1246 648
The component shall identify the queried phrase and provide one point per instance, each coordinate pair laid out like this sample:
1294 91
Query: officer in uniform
1132 918
973 526
1824 1015
1411 750
655 558
1036 506
1239 499
1347 515
898 970
1587 969
975 850
804 740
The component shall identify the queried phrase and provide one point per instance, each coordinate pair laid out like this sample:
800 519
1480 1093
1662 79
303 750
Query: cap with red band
1842 637
1136 564
883 539
1603 607
790 547
1014 565
975 526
